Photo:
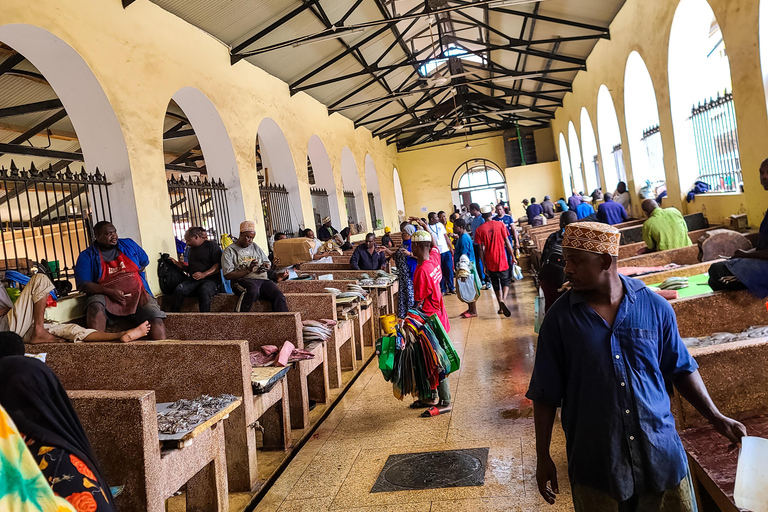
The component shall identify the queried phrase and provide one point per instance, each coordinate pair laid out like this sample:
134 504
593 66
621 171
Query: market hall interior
157 116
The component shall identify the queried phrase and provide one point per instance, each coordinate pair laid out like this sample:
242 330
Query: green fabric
387 355
445 342
697 285
666 229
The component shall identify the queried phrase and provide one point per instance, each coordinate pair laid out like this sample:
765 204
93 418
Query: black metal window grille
618 161
47 217
310 172
717 143
199 203
320 205
350 203
277 210
652 141
372 206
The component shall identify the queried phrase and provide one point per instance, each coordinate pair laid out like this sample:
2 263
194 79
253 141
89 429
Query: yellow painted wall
426 173
142 55
644 26
717 208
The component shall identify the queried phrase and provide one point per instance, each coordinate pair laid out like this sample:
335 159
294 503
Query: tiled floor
336 469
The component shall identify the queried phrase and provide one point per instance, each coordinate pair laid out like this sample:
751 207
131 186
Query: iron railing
320 206
350 203
618 161
717 143
47 217
277 210
652 141
372 207
200 203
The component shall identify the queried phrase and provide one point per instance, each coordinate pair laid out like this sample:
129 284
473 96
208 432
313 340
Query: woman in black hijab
35 400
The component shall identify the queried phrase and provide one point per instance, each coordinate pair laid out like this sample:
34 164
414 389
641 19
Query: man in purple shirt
574 201
611 212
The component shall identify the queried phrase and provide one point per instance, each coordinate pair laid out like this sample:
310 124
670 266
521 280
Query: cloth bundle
405 295
271 355
417 357
467 281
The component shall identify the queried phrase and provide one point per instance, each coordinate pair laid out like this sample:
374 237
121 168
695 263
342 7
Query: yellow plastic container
388 324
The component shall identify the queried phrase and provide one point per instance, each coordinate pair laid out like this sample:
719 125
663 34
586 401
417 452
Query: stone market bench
723 311
630 250
385 299
308 378
634 234
122 428
683 271
173 370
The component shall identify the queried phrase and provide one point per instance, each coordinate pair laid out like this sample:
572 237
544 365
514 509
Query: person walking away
446 252
549 207
245 264
747 270
26 318
584 209
37 403
464 247
611 212
575 200
367 256
552 272
506 219
477 221
665 228
621 195
492 238
606 352
203 266
111 274
426 290
535 213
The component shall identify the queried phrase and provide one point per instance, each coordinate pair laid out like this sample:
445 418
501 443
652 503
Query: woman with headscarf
36 402
407 231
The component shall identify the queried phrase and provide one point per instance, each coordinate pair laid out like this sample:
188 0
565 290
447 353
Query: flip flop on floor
418 404
433 411
505 310
468 315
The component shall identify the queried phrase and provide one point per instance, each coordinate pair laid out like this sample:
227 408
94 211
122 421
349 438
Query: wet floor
338 468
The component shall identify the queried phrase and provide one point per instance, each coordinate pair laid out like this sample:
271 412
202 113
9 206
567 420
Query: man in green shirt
665 228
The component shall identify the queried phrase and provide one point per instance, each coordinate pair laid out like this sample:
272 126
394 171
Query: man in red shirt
426 289
493 239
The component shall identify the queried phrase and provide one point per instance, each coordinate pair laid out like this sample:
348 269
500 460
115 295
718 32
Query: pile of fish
353 290
759 331
318 331
184 415
270 355
674 283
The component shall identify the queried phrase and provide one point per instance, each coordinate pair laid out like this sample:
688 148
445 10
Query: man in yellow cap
386 240
246 264
326 231
606 349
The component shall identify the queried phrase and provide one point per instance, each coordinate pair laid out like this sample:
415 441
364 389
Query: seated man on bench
203 263
245 264
26 317
111 273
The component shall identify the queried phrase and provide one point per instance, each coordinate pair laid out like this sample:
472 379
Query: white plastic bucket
751 490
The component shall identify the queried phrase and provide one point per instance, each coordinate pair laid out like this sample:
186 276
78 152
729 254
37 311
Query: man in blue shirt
584 209
563 205
111 273
477 221
611 212
464 246
367 256
533 211
606 350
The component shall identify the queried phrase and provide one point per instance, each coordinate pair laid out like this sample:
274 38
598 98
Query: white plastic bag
517 272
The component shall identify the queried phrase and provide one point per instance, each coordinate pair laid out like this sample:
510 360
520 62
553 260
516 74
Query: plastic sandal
431 412
505 310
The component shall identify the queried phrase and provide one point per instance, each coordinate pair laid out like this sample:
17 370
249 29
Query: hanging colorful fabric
387 355
445 342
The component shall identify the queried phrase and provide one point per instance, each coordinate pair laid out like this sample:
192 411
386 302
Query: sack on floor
538 313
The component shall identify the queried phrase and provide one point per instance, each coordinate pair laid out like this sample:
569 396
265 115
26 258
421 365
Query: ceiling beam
236 55
184 168
126 3
39 127
550 19
178 134
17 149
30 108
11 62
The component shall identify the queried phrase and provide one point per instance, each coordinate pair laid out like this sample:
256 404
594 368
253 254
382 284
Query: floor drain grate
433 470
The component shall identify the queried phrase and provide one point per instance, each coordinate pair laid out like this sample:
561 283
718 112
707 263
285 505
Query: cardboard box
293 251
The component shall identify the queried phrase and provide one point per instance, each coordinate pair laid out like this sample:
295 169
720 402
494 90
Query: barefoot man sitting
26 317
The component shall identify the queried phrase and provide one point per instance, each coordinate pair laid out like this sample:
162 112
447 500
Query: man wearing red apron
111 274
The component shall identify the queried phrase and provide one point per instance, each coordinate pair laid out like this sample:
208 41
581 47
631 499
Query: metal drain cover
433 470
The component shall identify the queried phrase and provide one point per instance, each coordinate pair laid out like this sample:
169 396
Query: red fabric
491 235
426 287
122 274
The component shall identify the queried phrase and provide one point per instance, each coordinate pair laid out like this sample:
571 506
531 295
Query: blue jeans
446 266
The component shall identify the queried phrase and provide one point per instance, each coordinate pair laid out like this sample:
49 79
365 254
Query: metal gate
277 210
717 143
372 207
320 206
350 203
199 203
47 217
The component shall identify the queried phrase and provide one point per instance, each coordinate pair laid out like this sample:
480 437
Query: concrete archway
609 136
216 147
399 201
565 166
350 178
97 127
277 159
323 172
641 112
372 186
575 157
589 152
